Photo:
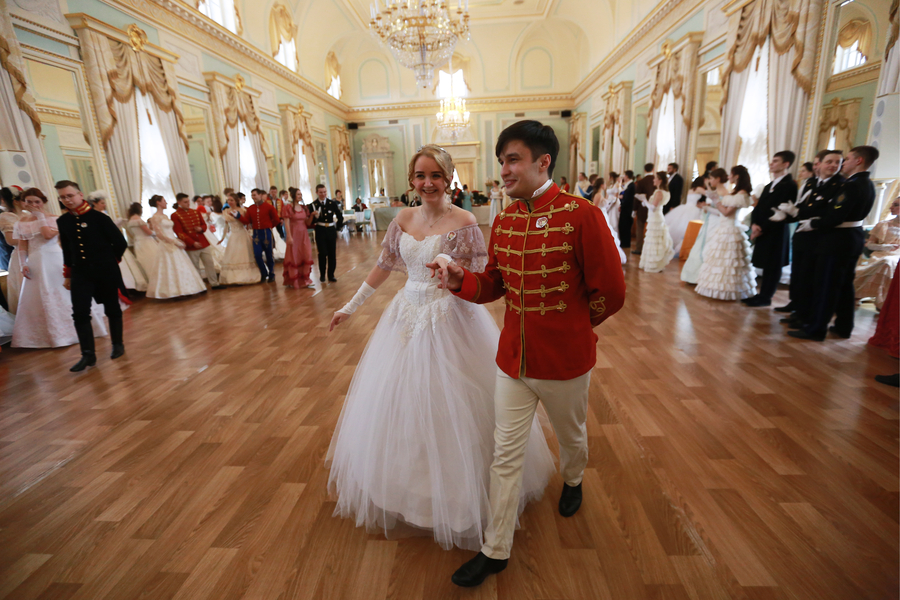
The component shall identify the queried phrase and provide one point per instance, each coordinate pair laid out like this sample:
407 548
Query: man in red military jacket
262 217
552 257
189 227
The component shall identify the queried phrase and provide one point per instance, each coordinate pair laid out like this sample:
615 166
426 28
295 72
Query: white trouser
515 402
209 264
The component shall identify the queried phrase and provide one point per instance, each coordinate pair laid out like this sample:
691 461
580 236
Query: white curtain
259 155
247 161
17 133
755 129
618 151
123 154
665 124
682 141
653 135
304 181
155 172
787 104
890 80
231 158
731 119
179 166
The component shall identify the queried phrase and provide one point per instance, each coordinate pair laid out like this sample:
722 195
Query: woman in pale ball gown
15 210
657 250
133 275
174 274
415 440
874 274
142 240
238 265
678 218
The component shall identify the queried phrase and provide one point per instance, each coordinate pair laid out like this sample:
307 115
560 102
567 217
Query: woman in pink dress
298 255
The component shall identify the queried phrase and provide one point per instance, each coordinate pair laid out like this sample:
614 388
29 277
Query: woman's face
804 174
656 181
895 207
428 180
100 205
732 178
34 204
161 204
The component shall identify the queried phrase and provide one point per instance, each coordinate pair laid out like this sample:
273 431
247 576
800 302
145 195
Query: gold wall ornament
239 82
137 37
667 48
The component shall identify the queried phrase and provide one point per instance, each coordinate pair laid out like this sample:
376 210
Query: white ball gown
413 447
657 251
174 274
678 218
238 265
496 205
611 212
145 247
690 273
726 273
44 317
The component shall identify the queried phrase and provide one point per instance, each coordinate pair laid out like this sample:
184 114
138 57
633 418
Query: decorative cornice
85 21
43 30
186 20
474 105
857 76
693 37
58 116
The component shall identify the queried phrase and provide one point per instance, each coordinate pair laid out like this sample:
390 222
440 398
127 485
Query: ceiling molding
857 76
473 105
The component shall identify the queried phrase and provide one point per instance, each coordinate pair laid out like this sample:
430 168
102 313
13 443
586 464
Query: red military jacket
185 220
276 202
261 216
558 266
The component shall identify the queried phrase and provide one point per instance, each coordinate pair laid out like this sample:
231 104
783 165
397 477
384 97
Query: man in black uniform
92 247
841 241
770 250
817 193
328 217
626 216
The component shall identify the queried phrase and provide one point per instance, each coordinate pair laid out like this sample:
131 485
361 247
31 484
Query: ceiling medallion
420 33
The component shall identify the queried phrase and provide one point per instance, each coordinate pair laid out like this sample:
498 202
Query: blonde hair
441 157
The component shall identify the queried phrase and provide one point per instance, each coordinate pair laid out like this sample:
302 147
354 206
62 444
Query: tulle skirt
677 221
238 265
132 274
726 273
174 274
690 273
413 447
14 281
657 250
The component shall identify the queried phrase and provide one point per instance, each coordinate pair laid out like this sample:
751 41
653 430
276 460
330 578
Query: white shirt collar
775 181
822 181
538 192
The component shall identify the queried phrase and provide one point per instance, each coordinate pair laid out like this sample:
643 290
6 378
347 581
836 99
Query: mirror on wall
709 132
64 125
201 150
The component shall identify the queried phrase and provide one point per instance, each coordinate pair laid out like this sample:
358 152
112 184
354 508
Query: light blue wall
106 13
211 63
55 158
396 134
192 92
695 23
39 41
865 91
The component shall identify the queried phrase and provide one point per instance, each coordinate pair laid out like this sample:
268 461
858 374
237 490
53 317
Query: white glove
789 208
180 244
806 224
365 290
779 215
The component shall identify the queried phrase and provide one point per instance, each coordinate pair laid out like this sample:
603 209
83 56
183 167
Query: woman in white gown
15 210
678 218
496 201
726 273
133 275
415 440
142 240
218 221
238 265
613 203
874 274
205 208
600 199
44 318
657 251
174 274
690 272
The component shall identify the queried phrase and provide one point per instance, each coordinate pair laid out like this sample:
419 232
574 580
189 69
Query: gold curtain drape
11 60
281 26
230 105
342 146
790 23
114 69
295 124
677 73
843 116
857 30
618 112
332 70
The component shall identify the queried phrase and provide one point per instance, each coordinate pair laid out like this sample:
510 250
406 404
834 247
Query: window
712 77
304 183
334 90
665 131
155 173
247 161
287 54
848 58
754 125
454 86
220 11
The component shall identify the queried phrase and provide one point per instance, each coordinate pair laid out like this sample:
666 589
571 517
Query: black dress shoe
788 320
785 309
476 570
749 300
87 360
321 280
893 380
570 500
332 280
839 333
636 253
117 351
218 287
802 335
271 278
757 301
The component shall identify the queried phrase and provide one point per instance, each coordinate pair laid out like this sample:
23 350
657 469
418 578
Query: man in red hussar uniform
555 263
189 226
262 217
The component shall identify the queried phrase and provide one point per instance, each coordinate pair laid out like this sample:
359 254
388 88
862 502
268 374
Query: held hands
755 231
450 274
197 245
26 273
180 244
337 319
779 215
67 283
789 208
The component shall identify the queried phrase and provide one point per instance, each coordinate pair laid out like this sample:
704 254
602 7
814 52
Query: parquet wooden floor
727 460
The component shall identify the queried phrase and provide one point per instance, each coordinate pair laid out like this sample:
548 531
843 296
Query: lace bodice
692 199
134 230
163 227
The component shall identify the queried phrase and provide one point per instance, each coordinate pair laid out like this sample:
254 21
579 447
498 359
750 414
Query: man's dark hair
66 183
240 195
869 154
809 166
629 174
582 174
539 138
258 191
336 192
786 156
821 154
563 179
320 186
273 187
711 165
648 168
674 165
180 195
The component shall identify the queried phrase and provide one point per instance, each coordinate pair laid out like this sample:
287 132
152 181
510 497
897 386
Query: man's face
70 197
521 173
776 165
670 170
829 166
184 203
850 163
273 192
322 193
257 199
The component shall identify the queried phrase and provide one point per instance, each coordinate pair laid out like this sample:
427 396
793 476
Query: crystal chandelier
453 117
420 33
